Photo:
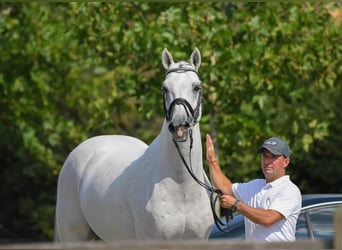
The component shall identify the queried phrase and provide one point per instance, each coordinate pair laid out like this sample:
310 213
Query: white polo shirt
281 195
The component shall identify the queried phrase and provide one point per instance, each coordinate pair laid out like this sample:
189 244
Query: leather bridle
191 113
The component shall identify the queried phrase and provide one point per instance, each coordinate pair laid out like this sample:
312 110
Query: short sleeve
245 191
287 201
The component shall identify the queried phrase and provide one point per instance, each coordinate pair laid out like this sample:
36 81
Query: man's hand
217 177
211 156
227 201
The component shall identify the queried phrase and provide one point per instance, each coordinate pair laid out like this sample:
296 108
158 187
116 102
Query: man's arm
217 177
265 217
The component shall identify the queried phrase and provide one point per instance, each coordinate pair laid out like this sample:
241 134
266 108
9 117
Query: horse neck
170 157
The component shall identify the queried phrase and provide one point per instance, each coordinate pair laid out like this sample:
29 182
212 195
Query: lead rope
228 214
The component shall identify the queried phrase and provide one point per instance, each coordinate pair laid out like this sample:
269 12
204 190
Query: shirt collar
278 181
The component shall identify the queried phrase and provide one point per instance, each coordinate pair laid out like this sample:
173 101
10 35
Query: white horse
116 187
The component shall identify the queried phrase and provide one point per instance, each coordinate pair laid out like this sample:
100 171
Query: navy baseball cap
276 146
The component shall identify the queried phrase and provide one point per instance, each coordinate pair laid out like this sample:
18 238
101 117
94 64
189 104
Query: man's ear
287 161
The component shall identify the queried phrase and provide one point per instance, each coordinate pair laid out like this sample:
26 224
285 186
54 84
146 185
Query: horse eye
164 89
197 88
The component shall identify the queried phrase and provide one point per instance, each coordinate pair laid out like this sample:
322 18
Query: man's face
273 166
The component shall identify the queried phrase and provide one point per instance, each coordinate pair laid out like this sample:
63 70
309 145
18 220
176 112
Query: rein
228 214
195 114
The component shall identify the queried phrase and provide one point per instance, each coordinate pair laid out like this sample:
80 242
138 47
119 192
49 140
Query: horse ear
195 58
167 59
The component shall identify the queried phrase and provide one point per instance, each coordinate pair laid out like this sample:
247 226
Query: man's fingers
209 141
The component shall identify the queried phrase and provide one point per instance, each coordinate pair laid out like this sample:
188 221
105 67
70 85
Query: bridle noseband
194 114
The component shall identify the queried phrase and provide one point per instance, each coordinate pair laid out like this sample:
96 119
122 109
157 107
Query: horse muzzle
180 133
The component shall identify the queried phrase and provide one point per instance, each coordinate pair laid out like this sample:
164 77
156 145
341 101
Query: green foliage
70 71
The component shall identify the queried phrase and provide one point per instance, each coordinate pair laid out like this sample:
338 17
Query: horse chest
169 212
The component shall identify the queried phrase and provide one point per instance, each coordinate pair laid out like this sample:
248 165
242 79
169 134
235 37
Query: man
271 206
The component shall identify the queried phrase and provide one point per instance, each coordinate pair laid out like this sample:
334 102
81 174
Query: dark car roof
311 199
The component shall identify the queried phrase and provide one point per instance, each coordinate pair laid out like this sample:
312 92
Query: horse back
124 148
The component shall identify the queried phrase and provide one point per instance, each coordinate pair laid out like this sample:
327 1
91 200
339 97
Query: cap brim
272 150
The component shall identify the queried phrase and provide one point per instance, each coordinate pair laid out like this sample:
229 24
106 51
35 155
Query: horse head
182 94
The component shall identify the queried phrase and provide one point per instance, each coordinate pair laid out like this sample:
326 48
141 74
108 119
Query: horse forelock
182 65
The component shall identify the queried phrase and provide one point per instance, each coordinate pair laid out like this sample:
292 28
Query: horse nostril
172 128
185 125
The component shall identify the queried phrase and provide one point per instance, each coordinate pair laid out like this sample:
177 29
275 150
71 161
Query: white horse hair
116 187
